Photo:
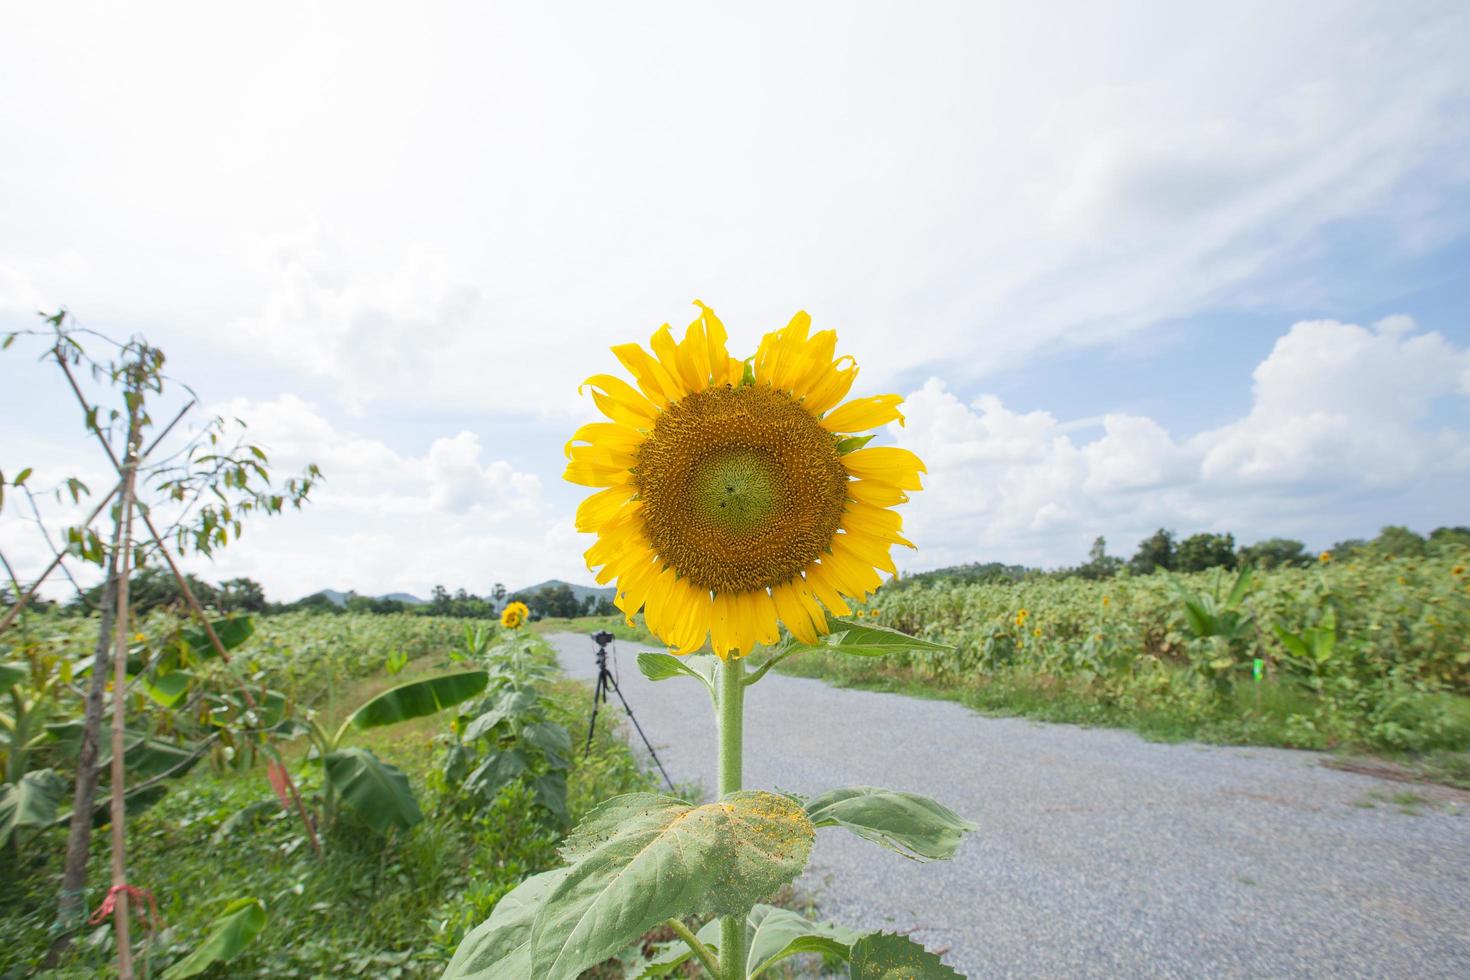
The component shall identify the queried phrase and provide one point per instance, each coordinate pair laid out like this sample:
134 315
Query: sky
1200 266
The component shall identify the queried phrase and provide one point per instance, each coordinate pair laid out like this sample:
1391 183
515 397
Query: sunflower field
1369 651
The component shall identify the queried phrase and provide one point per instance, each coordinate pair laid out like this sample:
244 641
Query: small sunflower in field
735 496
1457 571
1021 618
514 615
1325 557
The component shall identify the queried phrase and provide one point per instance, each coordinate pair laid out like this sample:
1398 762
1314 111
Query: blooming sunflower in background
514 615
735 496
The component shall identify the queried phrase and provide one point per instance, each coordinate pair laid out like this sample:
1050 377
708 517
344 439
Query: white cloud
1340 419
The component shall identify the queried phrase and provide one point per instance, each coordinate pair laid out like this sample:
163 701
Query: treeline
1165 550
153 588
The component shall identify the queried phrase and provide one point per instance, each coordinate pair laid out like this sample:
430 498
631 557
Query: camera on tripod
607 681
602 638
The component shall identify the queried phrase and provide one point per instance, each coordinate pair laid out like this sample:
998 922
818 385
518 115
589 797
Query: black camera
602 638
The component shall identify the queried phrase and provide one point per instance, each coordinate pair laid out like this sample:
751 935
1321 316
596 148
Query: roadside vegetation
493 780
1365 651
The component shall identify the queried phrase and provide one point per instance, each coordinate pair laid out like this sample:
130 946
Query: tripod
606 682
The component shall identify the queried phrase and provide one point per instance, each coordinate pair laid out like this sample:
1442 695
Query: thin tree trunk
120 924
69 909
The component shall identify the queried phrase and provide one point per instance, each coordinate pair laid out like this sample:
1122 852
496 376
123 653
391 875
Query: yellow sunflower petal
862 414
833 386
867 549
663 345
722 626
766 624
693 356
793 613
652 377
602 506
602 456
620 401
886 464
819 577
593 475
608 434
715 338
876 493
696 620
820 350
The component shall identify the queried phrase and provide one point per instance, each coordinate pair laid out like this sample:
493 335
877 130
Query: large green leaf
776 934
377 791
498 769
664 857
500 947
142 754
552 739
418 698
884 956
30 802
231 632
867 640
913 825
234 929
662 666
169 689
12 674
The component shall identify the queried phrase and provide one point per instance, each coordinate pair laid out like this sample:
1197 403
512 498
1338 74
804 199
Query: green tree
1154 551
1100 564
1276 553
1397 541
241 594
1446 540
1201 551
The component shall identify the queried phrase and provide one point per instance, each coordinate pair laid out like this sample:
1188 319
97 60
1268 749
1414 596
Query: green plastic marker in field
1258 668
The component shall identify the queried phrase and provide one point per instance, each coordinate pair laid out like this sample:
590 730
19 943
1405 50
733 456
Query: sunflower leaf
866 640
885 956
646 858
913 825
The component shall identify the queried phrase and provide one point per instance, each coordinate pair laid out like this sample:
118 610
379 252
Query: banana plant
376 791
1311 652
1220 628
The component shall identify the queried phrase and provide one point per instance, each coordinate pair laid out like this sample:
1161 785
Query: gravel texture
1099 854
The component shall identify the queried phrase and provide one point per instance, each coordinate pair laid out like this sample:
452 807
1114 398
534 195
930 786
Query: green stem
732 727
700 949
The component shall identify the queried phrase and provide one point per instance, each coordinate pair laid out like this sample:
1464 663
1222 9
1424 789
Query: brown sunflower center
741 488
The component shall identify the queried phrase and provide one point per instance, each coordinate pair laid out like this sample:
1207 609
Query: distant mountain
340 598
580 591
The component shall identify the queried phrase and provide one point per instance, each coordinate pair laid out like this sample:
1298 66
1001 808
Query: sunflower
514 615
735 496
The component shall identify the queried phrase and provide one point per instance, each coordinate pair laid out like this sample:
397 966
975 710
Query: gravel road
1099 854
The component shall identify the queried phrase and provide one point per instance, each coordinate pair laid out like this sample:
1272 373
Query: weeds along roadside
377 904
1366 655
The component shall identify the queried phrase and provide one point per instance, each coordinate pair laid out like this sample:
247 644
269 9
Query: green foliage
913 825
635 861
372 906
30 802
377 791
417 699
1172 656
237 926
1154 551
1200 552
509 735
884 956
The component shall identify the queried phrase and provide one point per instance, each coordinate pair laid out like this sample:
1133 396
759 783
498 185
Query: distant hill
580 591
340 598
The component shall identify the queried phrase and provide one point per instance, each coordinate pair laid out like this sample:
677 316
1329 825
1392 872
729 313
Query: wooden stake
120 624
